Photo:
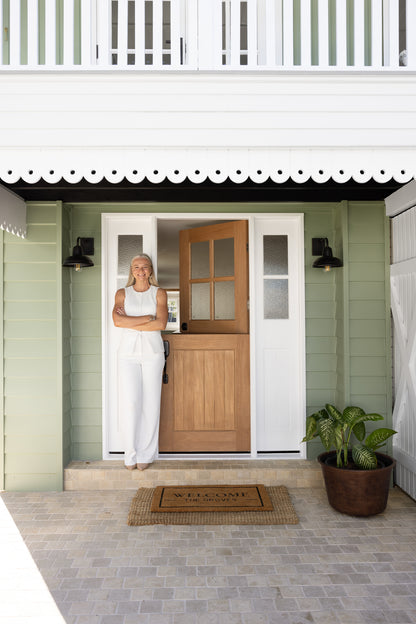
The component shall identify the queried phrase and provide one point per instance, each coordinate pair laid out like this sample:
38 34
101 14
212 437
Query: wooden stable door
206 401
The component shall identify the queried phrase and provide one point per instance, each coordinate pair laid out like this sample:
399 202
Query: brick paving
328 569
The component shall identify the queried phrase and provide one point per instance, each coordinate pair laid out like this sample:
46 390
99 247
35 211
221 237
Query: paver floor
328 569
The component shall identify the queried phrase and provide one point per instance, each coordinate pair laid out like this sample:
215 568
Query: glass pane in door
129 246
200 260
224 301
200 301
224 257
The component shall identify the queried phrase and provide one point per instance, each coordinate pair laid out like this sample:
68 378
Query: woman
140 309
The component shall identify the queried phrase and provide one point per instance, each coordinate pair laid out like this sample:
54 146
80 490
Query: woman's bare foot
142 466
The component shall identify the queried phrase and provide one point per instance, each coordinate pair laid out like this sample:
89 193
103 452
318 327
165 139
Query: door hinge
247 246
248 304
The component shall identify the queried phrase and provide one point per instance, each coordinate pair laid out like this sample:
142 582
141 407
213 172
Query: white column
288 33
32 33
341 33
305 33
87 38
191 34
391 33
139 29
122 27
359 33
175 34
323 33
235 30
209 34
252 33
377 33
104 33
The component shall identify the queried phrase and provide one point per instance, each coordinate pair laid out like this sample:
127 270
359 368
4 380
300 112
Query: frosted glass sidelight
224 257
224 301
275 255
200 260
200 305
276 298
129 245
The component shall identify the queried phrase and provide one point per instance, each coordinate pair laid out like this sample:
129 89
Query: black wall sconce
326 261
78 260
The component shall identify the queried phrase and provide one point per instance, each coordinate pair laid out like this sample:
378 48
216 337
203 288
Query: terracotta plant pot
357 492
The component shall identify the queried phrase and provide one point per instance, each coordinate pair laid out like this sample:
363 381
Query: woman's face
141 269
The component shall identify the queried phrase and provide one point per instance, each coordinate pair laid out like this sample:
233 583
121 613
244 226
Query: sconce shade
327 261
78 260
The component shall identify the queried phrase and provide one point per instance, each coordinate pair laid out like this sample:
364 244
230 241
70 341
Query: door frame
251 217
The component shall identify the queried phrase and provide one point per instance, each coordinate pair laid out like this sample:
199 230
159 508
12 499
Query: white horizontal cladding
206 126
12 213
199 165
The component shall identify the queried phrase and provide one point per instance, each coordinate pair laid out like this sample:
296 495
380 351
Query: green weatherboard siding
33 353
52 327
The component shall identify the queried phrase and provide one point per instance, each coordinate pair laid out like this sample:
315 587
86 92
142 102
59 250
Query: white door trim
108 218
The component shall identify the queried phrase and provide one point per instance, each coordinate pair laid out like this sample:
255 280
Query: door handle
166 348
184 327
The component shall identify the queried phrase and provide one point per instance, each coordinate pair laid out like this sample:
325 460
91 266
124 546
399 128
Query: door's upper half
214 278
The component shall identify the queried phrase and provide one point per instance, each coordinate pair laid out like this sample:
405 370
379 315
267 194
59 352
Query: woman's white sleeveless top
140 343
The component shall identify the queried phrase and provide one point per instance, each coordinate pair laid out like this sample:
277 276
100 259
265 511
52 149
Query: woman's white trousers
139 391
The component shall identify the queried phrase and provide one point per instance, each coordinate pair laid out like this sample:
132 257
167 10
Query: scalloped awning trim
200 165
12 213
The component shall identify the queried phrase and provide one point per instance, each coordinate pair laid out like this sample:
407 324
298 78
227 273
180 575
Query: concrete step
111 475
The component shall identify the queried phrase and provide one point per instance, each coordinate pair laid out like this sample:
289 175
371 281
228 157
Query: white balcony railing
213 35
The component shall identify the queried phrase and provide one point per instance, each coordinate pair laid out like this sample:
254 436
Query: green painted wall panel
30 367
29 348
90 399
368 385
32 352
31 407
320 363
367 272
29 311
321 345
34 271
29 445
42 252
366 253
86 434
320 310
85 328
368 329
30 291
33 482
363 346
320 327
368 310
87 416
32 387
370 366
34 427
367 291
86 381
21 330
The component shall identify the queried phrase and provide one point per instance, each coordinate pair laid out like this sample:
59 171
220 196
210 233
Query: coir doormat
211 498
283 512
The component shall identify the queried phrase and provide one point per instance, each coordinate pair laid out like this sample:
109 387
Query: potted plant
357 477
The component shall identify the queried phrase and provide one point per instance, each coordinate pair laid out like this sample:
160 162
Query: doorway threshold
111 475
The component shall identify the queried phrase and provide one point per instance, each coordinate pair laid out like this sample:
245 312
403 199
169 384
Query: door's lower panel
206 402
